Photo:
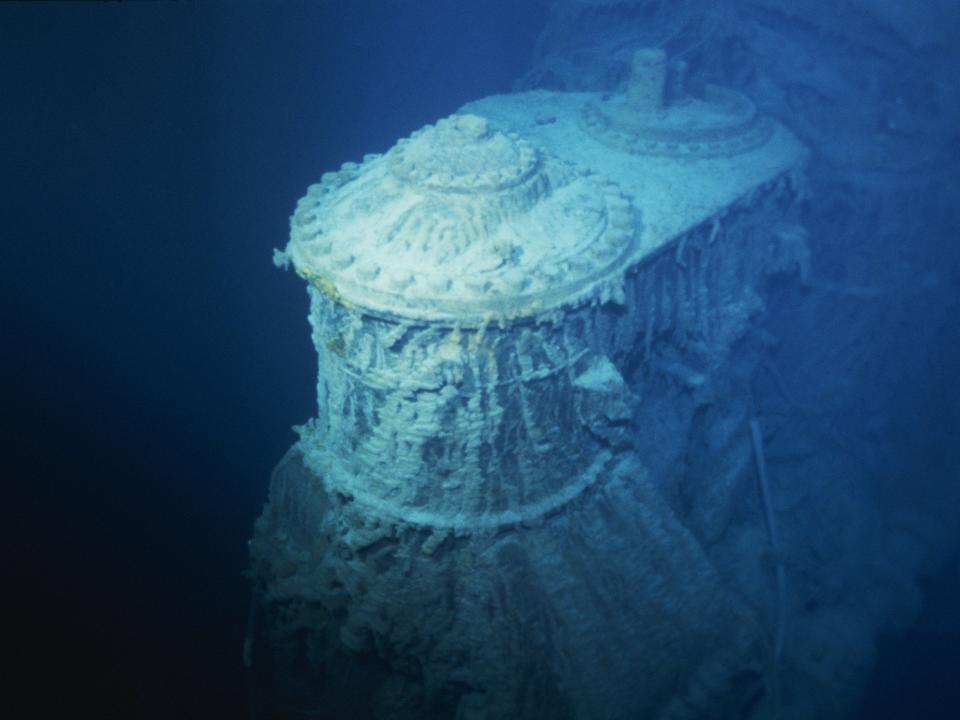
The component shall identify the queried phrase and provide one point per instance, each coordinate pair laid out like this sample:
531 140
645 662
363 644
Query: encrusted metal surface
721 123
462 223
509 370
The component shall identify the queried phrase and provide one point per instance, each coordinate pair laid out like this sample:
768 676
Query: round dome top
462 223
721 123
462 154
655 115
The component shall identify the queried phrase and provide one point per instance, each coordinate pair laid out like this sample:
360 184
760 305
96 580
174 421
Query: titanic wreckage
524 314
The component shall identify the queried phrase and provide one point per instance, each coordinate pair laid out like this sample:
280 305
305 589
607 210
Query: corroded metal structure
516 318
440 274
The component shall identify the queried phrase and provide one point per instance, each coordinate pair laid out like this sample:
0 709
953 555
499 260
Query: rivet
368 273
550 273
477 284
618 204
341 262
621 220
400 281
617 236
305 218
581 265
439 284
602 251
516 283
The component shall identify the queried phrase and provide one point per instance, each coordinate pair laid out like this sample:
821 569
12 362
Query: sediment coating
464 224
647 120
477 524
453 392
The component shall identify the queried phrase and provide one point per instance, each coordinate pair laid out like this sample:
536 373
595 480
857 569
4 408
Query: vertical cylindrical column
648 78
452 391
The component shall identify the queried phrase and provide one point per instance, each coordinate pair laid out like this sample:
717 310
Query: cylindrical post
648 77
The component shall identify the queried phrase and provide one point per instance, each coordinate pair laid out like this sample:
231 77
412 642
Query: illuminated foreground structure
523 315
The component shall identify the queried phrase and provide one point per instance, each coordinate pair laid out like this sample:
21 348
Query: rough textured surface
482 521
722 124
462 223
599 611
673 193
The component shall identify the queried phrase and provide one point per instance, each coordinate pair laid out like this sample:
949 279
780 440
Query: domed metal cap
462 223
655 115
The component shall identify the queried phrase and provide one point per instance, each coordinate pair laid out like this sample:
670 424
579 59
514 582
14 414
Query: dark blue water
154 360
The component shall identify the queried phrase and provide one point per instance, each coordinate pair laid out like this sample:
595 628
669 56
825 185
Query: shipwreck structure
524 315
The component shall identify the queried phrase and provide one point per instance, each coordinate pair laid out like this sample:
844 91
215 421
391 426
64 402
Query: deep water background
153 359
